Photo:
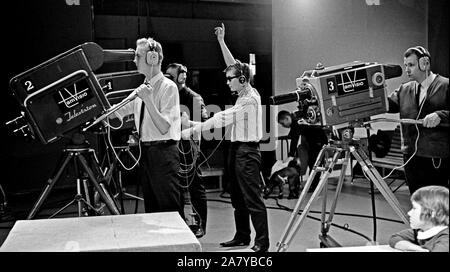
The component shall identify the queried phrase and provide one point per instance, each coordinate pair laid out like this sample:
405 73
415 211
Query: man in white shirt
157 119
245 118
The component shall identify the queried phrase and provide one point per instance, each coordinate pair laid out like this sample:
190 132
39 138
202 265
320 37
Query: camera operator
192 103
314 136
245 118
425 96
157 119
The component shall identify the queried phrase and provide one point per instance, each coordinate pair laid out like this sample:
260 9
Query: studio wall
332 32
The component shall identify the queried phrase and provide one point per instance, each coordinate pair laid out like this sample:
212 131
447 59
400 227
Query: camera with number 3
334 95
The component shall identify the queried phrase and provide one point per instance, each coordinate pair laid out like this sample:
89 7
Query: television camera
335 95
342 96
61 95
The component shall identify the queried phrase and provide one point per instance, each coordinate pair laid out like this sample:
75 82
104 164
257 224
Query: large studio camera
339 94
63 93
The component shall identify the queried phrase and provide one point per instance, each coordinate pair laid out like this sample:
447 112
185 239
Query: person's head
417 63
430 207
285 119
148 56
177 72
238 76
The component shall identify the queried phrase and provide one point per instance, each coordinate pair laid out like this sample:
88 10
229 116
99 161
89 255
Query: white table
134 232
375 248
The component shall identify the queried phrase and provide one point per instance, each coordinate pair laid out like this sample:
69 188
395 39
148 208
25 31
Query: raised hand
220 32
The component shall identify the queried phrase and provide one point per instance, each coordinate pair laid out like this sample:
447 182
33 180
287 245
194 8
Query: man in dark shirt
314 137
426 96
193 106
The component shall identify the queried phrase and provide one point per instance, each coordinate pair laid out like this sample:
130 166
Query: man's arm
224 118
161 120
227 56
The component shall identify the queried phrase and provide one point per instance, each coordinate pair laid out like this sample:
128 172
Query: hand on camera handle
142 91
430 121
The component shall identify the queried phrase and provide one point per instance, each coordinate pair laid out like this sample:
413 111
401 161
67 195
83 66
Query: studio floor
353 219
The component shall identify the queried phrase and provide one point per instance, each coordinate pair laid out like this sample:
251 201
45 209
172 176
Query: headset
244 69
422 56
152 57
179 70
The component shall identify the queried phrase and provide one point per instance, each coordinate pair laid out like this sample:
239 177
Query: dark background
36 31
39 30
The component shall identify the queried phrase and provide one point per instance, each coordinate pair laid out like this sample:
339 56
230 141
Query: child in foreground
428 220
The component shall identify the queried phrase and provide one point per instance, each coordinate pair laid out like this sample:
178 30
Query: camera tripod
335 151
77 154
120 190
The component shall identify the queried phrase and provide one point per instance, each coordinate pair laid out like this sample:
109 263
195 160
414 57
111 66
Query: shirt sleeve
403 235
170 104
244 109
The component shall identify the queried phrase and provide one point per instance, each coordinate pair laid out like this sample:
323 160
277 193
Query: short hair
434 203
283 114
177 66
149 44
241 69
418 51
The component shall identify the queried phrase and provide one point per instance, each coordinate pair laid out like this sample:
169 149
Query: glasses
230 78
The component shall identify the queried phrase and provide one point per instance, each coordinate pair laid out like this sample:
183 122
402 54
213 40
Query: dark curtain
438 36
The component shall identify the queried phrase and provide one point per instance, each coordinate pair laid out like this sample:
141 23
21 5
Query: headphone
422 56
243 69
179 70
152 57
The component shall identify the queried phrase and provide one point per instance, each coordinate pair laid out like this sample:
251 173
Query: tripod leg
103 193
50 183
326 172
339 187
281 244
327 224
63 208
376 178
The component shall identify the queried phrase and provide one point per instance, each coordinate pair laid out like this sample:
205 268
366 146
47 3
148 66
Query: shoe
235 242
258 248
199 233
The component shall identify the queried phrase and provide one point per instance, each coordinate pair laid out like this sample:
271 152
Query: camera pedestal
334 150
77 155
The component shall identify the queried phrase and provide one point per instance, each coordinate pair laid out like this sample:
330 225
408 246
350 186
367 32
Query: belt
153 143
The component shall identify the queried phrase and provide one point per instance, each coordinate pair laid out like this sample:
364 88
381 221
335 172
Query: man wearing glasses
245 118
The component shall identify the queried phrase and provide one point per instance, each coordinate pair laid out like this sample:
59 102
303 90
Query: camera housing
343 93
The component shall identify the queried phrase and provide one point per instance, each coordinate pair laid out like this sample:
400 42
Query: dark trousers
421 172
195 184
158 175
245 192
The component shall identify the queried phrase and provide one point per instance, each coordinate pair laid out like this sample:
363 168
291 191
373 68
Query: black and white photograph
225 133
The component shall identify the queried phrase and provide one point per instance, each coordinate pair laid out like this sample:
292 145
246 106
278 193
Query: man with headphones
245 118
191 104
156 108
426 96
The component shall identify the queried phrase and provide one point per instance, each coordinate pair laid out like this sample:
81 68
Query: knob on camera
378 79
